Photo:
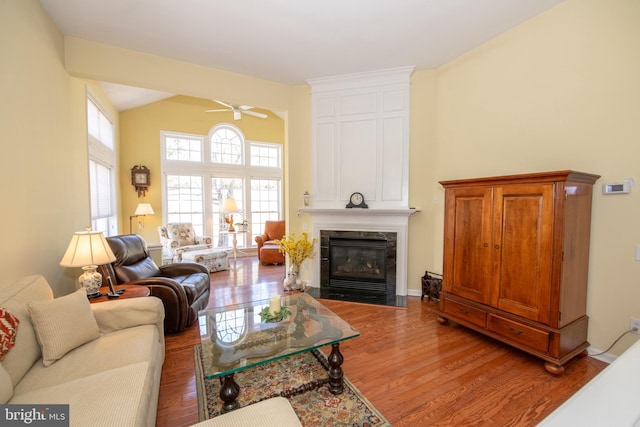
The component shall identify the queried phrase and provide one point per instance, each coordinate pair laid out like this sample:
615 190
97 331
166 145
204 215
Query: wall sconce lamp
88 249
142 210
229 206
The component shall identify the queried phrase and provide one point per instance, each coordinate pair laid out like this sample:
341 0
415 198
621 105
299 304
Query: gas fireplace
358 266
385 281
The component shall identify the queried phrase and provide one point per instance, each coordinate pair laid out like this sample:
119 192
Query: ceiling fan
238 110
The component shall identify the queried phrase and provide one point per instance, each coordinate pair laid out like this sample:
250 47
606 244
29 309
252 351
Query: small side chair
268 252
179 237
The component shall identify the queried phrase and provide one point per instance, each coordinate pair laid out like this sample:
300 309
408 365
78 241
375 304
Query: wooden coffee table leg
336 383
229 393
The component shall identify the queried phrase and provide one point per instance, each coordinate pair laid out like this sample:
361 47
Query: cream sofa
611 398
107 370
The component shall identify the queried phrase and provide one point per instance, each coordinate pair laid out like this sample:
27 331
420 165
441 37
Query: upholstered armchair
182 287
268 252
179 237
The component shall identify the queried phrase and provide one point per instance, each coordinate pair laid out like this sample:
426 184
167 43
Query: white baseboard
414 293
606 357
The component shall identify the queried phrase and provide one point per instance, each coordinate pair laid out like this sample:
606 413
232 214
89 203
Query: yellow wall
43 168
561 91
140 136
423 246
298 157
102 62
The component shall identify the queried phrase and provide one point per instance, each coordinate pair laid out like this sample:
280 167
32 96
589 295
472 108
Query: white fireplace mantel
382 220
359 212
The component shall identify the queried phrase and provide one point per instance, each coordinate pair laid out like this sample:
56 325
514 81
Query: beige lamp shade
141 210
87 248
144 209
230 205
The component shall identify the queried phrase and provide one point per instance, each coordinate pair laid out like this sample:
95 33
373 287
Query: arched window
231 325
201 171
227 146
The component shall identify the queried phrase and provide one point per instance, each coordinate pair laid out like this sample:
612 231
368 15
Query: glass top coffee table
234 338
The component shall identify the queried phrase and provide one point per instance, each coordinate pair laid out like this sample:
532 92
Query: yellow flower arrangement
298 250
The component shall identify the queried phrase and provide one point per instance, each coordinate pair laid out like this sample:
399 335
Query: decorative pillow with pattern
182 232
8 331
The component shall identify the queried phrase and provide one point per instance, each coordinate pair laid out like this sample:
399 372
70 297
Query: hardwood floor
414 370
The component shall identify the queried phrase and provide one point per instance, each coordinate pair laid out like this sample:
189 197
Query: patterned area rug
314 408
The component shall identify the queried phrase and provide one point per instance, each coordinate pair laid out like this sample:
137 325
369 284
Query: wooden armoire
516 254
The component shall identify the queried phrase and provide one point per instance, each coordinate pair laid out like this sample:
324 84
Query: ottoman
213 258
269 254
273 412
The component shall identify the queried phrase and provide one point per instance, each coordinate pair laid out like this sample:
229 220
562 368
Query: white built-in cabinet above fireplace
361 139
360 128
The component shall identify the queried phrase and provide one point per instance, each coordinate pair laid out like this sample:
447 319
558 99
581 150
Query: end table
235 241
130 291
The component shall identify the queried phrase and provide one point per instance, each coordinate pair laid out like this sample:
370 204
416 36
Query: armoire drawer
466 312
533 338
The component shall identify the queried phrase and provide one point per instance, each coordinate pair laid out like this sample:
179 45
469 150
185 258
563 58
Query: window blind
100 176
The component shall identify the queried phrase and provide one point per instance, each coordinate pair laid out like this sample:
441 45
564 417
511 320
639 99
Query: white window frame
208 170
102 151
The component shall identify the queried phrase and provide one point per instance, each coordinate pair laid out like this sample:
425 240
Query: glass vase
293 282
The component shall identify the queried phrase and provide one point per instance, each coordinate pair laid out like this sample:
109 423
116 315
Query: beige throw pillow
62 324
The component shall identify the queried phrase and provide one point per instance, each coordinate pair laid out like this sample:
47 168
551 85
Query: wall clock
357 201
140 179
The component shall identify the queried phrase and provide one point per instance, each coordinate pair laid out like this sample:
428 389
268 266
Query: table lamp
230 206
88 249
142 210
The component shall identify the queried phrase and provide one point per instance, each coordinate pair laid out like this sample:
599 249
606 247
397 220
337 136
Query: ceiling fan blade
225 104
238 110
216 111
255 114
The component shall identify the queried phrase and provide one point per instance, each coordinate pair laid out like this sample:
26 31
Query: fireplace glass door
358 263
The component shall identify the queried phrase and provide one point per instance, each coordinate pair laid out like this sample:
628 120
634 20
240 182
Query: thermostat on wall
617 187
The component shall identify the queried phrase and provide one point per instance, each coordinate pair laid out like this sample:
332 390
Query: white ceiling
124 97
290 41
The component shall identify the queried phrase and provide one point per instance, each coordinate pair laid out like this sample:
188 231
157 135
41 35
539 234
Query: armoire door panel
525 237
469 230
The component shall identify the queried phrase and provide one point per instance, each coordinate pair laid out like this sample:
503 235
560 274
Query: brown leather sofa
268 252
183 287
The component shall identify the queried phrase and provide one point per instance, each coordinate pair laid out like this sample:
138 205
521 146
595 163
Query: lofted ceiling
124 97
290 41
